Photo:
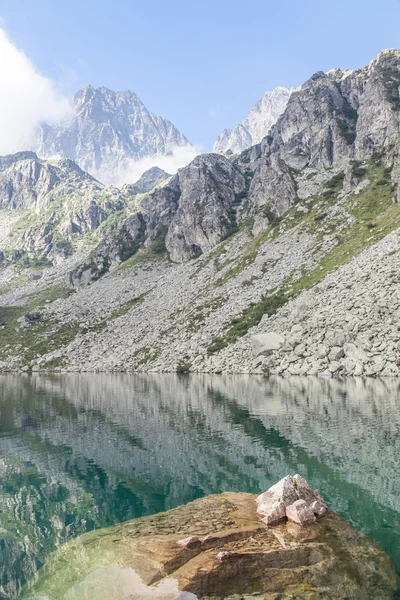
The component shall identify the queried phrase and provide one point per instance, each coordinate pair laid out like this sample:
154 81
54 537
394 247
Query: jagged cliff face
332 119
209 188
106 131
257 124
230 240
188 216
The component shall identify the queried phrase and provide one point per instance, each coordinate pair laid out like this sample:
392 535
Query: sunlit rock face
293 499
236 554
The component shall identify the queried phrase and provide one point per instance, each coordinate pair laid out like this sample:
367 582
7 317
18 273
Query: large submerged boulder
218 547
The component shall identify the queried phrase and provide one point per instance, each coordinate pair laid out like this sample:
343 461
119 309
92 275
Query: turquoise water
79 452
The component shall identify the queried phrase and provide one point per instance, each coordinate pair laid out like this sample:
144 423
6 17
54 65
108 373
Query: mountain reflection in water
79 452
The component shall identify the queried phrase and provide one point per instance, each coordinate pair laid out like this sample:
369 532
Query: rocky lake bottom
82 452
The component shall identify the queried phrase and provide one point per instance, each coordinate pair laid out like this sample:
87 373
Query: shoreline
322 375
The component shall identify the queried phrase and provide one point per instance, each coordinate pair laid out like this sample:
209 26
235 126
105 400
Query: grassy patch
39 339
250 317
375 216
200 313
145 355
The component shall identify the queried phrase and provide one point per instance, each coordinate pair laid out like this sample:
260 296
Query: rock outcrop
217 547
189 215
291 498
211 187
332 119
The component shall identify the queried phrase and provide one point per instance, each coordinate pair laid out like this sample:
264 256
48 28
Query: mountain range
283 258
107 133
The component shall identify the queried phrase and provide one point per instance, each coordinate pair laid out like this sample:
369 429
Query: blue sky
202 65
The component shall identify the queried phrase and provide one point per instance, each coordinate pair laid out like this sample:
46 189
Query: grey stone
266 343
355 353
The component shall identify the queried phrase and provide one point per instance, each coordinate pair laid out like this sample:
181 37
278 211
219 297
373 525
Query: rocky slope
106 131
256 125
209 271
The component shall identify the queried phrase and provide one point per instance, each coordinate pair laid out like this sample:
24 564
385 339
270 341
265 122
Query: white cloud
26 98
180 156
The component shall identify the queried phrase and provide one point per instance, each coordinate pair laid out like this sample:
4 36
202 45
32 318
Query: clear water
80 452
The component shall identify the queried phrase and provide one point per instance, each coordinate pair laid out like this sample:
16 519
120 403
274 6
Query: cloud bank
180 156
26 99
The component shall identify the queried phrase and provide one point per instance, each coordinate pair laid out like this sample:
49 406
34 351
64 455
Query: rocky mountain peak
257 124
106 131
149 180
9 159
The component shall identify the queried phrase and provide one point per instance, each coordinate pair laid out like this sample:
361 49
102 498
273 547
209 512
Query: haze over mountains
108 132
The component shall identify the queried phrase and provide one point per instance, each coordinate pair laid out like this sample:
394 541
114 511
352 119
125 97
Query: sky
202 65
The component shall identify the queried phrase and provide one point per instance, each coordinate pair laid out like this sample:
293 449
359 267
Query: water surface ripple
79 452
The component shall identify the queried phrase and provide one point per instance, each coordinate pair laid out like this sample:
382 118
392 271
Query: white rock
266 343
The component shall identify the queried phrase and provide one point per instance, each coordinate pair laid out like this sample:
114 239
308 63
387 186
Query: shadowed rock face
236 554
209 187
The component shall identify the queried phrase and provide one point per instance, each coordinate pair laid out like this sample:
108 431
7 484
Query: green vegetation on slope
372 213
45 336
40 338
250 317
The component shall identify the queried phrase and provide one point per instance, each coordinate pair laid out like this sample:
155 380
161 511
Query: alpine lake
82 452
